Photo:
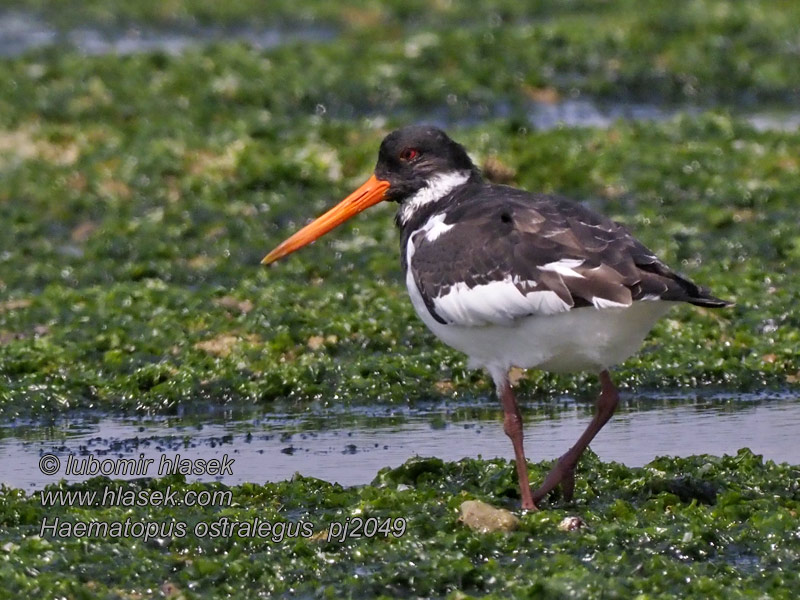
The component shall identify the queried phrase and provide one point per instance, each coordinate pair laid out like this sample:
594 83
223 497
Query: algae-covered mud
152 152
703 527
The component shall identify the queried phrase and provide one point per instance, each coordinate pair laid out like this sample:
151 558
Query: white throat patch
438 187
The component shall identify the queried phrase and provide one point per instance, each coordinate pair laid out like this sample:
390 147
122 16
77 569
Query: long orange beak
371 192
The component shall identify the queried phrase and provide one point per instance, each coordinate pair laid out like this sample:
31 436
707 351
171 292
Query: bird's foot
563 474
527 501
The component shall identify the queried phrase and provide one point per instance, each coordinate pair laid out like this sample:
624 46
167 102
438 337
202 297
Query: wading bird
512 278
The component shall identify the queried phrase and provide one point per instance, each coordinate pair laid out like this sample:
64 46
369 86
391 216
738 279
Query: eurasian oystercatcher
512 278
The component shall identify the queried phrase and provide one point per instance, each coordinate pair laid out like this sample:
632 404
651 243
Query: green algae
703 526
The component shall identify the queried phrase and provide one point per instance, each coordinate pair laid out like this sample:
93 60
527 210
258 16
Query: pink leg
512 425
564 470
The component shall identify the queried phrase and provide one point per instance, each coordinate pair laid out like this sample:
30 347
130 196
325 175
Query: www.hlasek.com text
123 494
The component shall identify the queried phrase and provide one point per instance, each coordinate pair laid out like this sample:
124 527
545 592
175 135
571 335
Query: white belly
581 339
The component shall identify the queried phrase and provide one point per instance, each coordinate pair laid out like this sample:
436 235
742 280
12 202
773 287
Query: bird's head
410 159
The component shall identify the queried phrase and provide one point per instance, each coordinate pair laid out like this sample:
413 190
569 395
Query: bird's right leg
563 472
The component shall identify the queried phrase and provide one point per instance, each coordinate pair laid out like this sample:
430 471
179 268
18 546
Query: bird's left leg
512 425
564 470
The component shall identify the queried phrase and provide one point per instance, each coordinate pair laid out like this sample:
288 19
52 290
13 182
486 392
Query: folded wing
509 254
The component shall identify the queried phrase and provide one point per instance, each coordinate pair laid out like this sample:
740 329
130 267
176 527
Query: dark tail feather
682 289
709 302
698 295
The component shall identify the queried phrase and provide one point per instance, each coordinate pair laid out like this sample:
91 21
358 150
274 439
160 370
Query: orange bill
371 192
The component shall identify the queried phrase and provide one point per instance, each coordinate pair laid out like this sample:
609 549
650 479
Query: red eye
409 154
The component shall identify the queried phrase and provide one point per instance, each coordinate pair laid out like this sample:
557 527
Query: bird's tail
709 301
699 295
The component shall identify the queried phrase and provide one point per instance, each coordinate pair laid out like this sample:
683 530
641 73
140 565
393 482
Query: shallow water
350 446
21 32
587 112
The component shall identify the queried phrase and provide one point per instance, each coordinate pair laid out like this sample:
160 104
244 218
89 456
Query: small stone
170 590
200 262
515 375
545 95
571 524
320 536
315 342
83 232
445 386
223 344
483 517
243 306
10 305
